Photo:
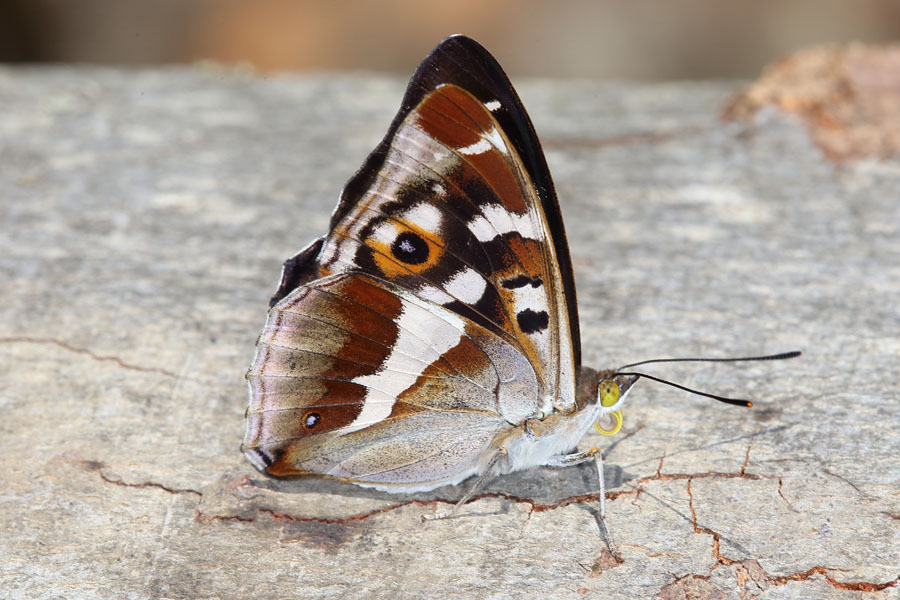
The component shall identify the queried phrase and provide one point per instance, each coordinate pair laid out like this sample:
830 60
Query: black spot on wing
521 281
410 248
312 419
531 321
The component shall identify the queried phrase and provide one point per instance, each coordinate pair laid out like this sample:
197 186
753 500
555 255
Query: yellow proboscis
608 391
617 416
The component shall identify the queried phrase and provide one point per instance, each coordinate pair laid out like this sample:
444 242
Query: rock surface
145 216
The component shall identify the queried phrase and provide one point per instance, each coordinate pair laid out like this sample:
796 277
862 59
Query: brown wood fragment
848 96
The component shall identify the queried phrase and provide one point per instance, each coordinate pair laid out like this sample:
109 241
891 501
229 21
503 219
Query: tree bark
146 215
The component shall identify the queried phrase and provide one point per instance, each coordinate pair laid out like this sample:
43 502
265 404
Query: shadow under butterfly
432 335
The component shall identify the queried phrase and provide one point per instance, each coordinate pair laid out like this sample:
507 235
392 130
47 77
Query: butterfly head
612 389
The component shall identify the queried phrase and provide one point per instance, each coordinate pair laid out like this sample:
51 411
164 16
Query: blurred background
633 39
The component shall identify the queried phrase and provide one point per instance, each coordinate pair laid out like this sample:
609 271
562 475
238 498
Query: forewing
463 62
449 209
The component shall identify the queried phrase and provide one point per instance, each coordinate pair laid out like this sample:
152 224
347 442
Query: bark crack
745 567
94 465
721 559
149 484
210 518
86 352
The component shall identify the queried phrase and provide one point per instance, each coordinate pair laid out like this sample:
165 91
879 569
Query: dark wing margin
462 61
297 270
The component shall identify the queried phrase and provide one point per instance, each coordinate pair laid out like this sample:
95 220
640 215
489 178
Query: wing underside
453 216
354 377
438 312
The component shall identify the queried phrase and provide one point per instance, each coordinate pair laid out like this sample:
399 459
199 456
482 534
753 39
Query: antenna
732 401
781 356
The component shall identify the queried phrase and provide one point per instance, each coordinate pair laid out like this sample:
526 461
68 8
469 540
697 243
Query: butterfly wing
456 204
359 379
463 62
438 313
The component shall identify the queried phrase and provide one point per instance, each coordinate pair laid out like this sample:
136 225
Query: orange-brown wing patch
459 121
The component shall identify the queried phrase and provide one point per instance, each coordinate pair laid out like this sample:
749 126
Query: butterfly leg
500 453
594 454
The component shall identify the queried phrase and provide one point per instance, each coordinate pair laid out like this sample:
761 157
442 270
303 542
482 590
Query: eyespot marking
312 419
410 248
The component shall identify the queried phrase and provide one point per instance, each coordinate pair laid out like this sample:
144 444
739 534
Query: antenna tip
749 405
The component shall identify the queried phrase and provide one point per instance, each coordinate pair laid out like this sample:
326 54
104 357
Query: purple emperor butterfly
433 335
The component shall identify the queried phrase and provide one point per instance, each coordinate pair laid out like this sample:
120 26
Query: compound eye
608 392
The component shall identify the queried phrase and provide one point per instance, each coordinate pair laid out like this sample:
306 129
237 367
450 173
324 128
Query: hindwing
356 357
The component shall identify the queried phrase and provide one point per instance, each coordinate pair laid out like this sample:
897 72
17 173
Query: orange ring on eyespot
617 415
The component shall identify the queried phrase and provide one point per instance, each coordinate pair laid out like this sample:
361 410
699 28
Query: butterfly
432 335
